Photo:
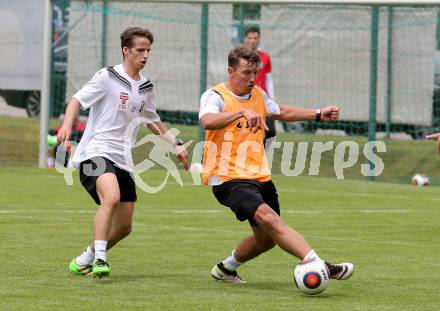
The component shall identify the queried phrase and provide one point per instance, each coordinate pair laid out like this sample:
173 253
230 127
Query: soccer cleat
340 271
221 273
101 269
74 268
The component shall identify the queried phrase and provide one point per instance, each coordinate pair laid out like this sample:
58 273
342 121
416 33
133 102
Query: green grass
403 159
390 232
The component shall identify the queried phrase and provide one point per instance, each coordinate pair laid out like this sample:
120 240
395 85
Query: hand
435 136
64 133
330 113
255 121
182 155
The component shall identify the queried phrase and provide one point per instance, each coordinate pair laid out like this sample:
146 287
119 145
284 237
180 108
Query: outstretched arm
290 113
435 136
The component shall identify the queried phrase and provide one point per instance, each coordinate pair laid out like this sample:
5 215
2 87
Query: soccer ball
311 277
420 180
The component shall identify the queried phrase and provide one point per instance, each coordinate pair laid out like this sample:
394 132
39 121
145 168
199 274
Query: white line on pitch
354 194
213 211
385 211
174 228
301 211
366 241
43 218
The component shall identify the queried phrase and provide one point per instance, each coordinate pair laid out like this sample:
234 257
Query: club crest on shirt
124 98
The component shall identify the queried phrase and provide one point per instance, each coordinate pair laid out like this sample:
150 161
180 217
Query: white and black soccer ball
420 180
311 277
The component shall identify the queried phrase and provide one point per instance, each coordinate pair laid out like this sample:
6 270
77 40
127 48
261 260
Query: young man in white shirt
116 96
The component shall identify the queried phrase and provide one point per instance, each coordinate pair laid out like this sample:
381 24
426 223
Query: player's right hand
255 121
64 133
182 155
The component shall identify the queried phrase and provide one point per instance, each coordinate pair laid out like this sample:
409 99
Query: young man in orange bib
234 164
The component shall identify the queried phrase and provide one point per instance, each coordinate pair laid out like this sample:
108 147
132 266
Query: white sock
86 258
231 263
101 250
310 255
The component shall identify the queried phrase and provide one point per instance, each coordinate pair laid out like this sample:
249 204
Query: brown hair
242 52
128 35
252 29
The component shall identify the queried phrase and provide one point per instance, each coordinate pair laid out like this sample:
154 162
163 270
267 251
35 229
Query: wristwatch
318 115
178 142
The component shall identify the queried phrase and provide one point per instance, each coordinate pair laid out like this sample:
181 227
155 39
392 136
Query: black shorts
244 197
127 187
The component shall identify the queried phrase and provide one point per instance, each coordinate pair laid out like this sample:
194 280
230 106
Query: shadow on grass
279 288
151 276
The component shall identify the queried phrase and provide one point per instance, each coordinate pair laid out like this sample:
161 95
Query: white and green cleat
101 269
77 269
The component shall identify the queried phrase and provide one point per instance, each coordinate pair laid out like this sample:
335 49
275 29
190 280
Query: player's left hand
330 113
182 155
435 136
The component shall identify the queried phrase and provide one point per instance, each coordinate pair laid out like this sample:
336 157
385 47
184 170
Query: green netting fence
321 54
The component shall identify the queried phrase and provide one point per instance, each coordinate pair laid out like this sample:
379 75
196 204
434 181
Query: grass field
390 232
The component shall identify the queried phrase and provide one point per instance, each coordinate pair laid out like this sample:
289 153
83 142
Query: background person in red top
264 76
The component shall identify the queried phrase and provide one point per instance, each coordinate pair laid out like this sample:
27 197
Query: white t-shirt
114 100
212 102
